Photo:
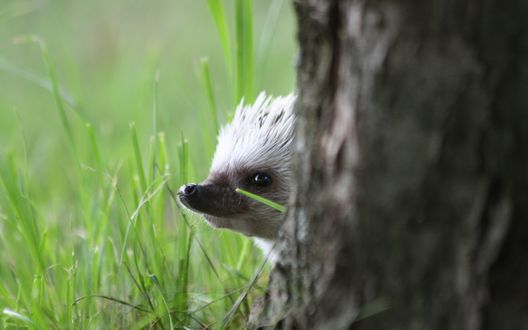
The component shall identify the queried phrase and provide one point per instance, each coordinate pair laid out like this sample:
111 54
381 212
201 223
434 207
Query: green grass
106 108
260 199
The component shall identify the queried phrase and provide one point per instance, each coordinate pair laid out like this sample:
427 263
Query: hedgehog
254 153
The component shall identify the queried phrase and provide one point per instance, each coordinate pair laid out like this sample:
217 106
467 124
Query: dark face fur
223 207
253 153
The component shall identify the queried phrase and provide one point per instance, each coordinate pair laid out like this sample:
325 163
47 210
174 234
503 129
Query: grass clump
91 235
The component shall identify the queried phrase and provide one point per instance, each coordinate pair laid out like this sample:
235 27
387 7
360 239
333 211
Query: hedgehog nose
189 189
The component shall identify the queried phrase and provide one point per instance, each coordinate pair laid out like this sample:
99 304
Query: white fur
268 248
259 138
256 137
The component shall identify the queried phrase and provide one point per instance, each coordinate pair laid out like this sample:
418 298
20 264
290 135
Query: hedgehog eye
260 179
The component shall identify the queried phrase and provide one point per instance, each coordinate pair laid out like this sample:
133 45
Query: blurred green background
67 200
106 54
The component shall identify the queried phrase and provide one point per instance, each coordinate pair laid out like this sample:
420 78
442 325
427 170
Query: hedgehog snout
188 195
211 199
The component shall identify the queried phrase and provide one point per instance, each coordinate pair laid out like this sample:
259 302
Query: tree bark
410 209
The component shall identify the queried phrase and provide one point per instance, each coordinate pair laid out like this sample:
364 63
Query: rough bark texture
412 199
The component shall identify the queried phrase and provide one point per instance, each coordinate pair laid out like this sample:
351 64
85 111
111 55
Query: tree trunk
410 210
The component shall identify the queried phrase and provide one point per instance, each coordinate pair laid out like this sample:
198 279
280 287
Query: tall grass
91 234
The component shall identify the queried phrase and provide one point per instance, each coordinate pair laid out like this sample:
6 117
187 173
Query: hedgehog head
254 153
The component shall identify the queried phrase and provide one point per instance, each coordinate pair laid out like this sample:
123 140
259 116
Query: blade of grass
22 209
55 87
145 199
112 299
206 77
244 51
263 200
18 316
154 140
156 283
198 241
183 156
181 298
243 254
95 148
138 158
164 164
267 34
40 81
219 16
243 296
141 288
